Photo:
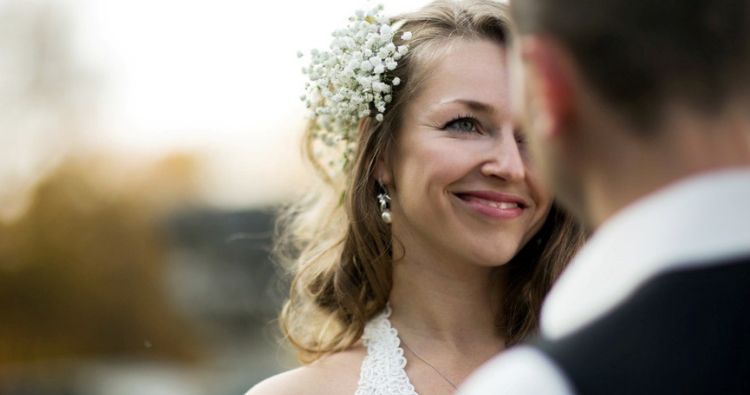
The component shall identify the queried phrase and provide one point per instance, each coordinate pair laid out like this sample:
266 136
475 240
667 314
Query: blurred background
144 149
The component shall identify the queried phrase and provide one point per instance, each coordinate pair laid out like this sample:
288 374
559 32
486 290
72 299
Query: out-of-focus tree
48 100
82 270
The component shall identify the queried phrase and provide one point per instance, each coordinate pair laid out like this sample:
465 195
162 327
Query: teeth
500 205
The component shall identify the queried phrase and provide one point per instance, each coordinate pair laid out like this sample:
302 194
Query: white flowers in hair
350 81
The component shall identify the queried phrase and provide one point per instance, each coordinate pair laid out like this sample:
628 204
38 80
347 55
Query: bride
431 242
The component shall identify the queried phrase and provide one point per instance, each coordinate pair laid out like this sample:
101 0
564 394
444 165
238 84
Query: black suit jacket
683 332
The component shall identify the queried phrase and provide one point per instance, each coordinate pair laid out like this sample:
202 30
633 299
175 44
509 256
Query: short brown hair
638 55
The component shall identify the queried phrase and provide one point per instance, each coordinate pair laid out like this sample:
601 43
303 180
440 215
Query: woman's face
459 176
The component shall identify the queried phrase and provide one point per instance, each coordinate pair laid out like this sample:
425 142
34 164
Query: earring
384 200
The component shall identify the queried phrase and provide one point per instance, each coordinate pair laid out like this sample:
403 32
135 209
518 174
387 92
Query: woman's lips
493 204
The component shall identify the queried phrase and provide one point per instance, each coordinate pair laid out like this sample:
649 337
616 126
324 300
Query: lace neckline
383 370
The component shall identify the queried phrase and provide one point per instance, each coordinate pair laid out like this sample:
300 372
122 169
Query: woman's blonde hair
334 242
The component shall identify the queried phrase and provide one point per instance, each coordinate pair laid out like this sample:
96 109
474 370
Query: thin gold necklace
455 387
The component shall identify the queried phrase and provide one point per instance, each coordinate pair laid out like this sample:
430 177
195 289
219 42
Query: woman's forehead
470 71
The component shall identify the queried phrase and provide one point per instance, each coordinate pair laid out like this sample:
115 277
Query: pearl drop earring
384 200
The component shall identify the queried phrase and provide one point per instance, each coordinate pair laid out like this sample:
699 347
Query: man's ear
551 84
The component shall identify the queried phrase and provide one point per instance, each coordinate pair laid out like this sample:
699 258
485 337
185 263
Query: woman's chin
493 258
492 253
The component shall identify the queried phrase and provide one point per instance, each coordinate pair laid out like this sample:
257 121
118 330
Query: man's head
612 82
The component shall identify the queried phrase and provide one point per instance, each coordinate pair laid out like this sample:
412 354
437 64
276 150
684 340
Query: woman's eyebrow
473 105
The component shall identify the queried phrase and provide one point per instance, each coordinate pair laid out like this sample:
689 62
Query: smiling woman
445 243
458 166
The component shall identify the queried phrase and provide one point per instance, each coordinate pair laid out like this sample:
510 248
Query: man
638 113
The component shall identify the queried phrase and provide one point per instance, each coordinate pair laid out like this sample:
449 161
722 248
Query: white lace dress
383 370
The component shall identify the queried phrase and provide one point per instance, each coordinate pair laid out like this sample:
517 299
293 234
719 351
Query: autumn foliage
82 270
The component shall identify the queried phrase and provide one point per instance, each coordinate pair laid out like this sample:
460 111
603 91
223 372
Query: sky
220 78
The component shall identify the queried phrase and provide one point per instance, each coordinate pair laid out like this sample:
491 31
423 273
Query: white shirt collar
691 223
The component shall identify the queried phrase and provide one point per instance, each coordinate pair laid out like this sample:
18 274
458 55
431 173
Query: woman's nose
505 159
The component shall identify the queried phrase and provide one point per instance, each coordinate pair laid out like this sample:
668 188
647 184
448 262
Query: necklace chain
455 387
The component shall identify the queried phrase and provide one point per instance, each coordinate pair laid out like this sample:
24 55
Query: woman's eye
520 136
464 124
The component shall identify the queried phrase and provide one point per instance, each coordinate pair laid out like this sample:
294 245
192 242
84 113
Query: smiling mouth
493 205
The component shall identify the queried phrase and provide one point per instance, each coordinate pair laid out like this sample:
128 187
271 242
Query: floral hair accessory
350 81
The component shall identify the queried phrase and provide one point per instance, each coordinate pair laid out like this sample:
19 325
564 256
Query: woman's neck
454 303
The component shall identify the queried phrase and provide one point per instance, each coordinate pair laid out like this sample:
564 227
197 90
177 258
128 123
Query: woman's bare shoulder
334 374
297 381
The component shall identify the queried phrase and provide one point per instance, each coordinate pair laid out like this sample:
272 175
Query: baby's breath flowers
350 81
